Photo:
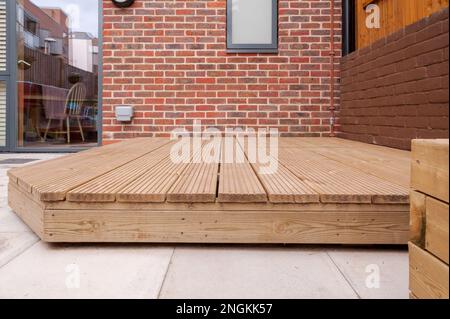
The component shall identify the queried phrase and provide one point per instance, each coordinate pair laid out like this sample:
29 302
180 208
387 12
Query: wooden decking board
42 168
134 192
339 143
53 184
284 187
153 185
238 182
339 183
383 168
281 185
198 181
105 187
30 175
56 187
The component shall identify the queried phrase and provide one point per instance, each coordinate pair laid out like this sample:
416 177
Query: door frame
12 110
6 76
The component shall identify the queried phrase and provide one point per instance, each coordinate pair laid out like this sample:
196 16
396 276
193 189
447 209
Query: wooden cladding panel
394 15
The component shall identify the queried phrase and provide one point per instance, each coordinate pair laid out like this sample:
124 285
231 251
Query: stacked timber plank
313 190
429 243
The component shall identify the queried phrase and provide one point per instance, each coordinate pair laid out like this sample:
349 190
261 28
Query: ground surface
30 268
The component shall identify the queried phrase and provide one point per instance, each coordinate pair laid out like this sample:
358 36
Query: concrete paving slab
10 222
375 273
32 269
85 271
13 244
253 272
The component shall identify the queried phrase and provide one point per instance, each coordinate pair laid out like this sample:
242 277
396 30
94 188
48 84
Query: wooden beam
226 227
437 224
430 168
429 277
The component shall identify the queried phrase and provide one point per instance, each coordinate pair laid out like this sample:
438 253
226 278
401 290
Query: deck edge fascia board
230 227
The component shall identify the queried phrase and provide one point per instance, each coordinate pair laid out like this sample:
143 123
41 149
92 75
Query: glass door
57 74
4 75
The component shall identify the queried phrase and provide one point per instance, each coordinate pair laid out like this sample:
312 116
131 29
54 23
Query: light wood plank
153 185
31 212
383 167
217 206
229 227
339 183
40 169
105 187
281 185
437 224
139 208
417 218
429 277
198 182
238 182
52 183
430 168
331 143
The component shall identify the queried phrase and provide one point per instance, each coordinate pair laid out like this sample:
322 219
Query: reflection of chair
72 110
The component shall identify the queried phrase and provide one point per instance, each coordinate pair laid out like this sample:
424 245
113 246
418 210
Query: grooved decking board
284 187
153 185
336 182
134 192
105 187
281 185
35 171
21 172
238 182
333 142
382 167
198 182
52 183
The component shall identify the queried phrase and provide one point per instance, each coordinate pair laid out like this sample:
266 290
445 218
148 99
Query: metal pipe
348 27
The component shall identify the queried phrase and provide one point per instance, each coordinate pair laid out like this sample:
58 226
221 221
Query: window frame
12 109
255 47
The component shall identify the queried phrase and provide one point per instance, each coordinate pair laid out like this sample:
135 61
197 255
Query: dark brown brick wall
397 89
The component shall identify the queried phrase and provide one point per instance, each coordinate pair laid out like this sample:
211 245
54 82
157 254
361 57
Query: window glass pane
57 75
252 21
2 35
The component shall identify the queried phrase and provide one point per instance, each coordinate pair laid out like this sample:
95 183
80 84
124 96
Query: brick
397 89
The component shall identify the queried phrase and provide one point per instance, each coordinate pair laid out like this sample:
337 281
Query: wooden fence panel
394 15
54 71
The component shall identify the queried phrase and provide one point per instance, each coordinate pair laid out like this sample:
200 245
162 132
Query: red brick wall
397 89
169 60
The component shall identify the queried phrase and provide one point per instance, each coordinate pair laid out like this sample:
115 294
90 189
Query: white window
252 25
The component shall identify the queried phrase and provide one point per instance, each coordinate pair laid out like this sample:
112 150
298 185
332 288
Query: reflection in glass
57 73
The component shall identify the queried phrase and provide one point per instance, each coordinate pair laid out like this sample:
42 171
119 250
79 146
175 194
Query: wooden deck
325 190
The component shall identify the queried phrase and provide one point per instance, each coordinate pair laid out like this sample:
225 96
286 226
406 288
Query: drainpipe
332 72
